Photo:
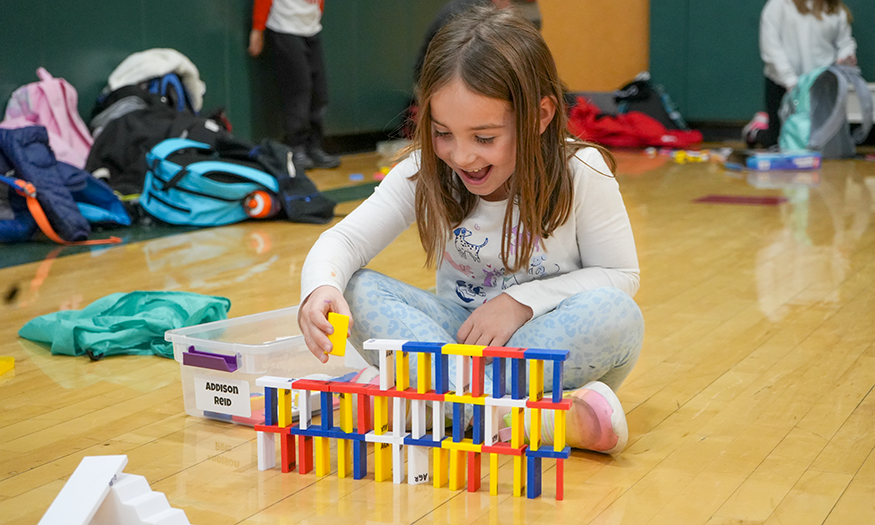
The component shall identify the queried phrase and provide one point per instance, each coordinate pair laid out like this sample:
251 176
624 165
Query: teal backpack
188 183
813 113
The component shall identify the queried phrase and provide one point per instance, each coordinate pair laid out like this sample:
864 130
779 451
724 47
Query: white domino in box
221 361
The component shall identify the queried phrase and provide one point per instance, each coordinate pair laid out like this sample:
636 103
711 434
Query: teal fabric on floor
124 323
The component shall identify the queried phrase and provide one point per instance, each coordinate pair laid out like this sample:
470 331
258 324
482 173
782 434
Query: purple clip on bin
220 362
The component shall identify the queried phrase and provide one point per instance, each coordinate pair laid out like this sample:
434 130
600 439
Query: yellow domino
423 373
284 407
340 323
457 469
460 349
467 398
536 379
518 426
519 476
493 474
346 412
402 371
535 429
559 430
323 456
382 462
344 458
441 457
466 445
381 415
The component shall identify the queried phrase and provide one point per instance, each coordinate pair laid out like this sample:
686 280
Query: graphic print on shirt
514 235
468 292
461 268
537 268
493 275
466 248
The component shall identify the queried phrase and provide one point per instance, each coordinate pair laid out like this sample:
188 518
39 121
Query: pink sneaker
598 418
760 122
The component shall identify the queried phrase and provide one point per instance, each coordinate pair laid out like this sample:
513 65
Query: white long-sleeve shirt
792 44
594 248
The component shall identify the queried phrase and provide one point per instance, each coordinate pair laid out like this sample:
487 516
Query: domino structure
449 451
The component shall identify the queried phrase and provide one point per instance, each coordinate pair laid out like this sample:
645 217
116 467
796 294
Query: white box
252 346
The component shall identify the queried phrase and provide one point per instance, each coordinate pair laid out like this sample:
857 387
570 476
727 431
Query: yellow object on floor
6 364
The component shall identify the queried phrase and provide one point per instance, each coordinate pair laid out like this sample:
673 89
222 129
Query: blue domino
327 410
478 423
499 377
517 378
441 373
548 452
423 442
533 488
458 422
558 369
359 459
548 355
334 433
414 346
270 403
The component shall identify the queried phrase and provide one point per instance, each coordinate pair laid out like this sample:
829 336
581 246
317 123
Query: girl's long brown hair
497 54
819 7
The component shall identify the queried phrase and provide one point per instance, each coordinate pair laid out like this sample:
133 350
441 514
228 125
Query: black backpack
643 96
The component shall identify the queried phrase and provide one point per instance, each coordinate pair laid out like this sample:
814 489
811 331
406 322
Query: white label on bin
225 396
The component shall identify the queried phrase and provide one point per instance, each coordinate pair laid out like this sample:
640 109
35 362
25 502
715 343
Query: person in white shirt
527 228
797 36
294 34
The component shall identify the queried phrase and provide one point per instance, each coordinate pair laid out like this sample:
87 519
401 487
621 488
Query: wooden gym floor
752 402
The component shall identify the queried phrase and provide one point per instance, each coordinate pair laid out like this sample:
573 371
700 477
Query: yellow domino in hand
340 323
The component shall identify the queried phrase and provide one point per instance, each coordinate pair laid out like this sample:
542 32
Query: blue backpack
170 88
814 117
39 192
188 183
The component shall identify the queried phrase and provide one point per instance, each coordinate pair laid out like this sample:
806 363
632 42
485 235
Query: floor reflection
211 258
808 259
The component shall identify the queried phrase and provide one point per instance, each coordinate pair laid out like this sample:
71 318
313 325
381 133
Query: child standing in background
527 229
797 36
293 31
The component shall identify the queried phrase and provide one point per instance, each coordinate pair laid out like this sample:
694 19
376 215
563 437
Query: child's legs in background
774 95
603 329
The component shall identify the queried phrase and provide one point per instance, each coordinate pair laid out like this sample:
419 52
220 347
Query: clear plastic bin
221 360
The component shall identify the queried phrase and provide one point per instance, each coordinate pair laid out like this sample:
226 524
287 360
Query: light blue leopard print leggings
603 328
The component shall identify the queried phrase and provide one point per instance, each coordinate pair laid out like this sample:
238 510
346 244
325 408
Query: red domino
560 479
341 387
305 454
287 448
310 384
273 429
477 377
473 471
504 449
411 393
545 403
364 414
501 351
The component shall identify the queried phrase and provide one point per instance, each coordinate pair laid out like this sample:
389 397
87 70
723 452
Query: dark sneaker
760 122
321 159
301 159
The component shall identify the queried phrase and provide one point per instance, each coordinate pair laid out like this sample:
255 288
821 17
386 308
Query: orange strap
28 191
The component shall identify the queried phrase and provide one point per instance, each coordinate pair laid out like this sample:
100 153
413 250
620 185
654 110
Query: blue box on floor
773 160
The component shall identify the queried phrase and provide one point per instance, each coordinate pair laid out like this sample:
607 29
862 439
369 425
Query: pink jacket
51 103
